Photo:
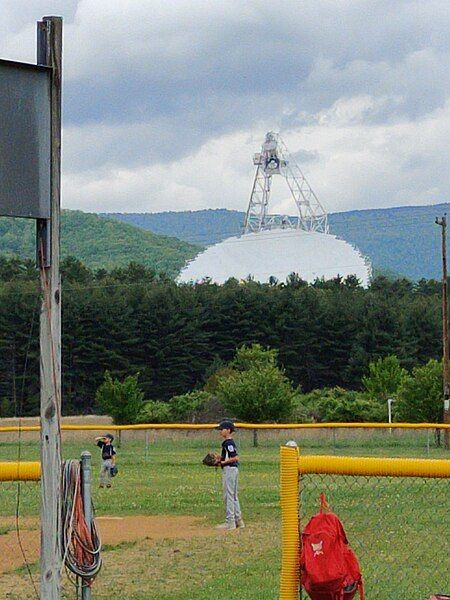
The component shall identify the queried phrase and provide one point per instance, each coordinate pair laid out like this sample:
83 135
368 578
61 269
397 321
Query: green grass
397 526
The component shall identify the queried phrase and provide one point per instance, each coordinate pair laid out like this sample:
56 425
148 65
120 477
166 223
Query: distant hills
403 241
204 227
100 242
399 241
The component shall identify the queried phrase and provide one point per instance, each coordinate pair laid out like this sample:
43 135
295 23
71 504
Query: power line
19 451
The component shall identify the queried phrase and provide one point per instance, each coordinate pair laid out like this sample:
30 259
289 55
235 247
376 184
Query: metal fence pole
255 438
86 479
147 442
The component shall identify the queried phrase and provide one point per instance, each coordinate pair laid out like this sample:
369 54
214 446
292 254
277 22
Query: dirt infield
113 531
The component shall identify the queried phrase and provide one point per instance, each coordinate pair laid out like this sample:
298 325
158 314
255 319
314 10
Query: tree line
131 320
253 388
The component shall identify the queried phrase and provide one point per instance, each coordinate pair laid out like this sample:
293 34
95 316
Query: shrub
212 381
340 406
121 400
254 357
187 407
384 379
155 411
420 397
257 395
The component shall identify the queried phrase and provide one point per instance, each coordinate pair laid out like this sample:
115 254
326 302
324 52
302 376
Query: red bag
329 568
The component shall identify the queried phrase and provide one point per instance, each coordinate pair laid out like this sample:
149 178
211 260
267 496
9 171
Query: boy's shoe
101 485
226 526
109 485
240 523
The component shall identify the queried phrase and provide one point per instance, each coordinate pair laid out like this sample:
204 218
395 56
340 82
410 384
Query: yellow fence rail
254 426
293 465
382 467
20 471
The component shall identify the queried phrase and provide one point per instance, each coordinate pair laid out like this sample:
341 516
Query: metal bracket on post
43 243
86 483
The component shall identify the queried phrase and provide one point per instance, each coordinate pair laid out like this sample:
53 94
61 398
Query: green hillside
100 243
403 241
204 227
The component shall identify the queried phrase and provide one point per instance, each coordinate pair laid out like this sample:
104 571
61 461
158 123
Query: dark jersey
229 450
107 450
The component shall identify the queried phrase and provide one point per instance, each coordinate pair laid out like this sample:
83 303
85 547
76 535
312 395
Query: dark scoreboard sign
24 140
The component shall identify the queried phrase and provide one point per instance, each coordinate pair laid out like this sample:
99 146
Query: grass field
244 565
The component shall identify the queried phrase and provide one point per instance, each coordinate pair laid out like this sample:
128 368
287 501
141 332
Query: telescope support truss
274 159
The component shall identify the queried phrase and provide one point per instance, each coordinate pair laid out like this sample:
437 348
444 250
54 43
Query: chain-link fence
19 538
395 513
20 497
398 527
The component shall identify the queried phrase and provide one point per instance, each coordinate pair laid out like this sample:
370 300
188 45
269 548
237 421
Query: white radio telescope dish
278 245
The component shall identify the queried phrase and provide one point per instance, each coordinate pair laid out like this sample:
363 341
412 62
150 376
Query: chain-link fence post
147 443
289 499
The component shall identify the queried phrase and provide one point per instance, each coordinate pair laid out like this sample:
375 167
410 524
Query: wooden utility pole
49 53
443 224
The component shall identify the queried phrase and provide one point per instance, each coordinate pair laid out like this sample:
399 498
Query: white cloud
220 170
355 165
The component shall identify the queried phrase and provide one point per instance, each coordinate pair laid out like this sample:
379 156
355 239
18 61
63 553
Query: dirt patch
113 531
10 553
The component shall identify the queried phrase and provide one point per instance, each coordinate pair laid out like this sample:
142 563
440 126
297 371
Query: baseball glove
212 459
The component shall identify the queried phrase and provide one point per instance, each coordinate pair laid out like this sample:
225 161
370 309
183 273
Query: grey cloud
208 68
151 81
305 156
215 66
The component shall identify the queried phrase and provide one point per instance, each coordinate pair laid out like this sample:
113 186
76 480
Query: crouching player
230 471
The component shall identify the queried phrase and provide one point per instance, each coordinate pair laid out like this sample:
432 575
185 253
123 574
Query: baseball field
157 521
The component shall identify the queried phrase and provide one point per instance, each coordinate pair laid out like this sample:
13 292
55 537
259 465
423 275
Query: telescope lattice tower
274 159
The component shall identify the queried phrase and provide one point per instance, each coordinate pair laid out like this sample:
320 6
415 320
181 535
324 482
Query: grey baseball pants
230 493
105 472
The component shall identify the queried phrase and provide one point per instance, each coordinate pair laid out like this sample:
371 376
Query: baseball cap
226 425
110 436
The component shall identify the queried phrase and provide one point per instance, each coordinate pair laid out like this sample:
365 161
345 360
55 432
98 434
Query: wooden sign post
49 52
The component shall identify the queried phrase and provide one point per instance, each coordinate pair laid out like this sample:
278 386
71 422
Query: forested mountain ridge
100 243
204 227
402 240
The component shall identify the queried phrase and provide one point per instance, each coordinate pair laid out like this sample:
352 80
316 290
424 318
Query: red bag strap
324 506
361 590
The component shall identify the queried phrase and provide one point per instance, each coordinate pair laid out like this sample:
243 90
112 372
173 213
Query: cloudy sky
166 101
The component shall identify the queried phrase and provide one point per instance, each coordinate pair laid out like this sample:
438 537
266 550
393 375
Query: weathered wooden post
49 53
